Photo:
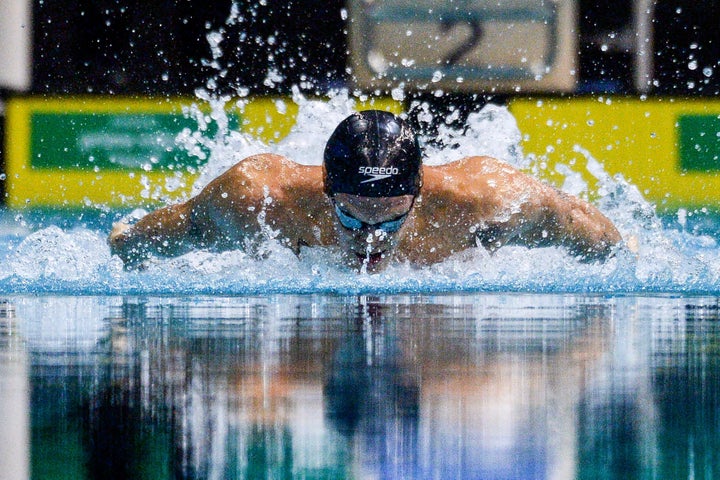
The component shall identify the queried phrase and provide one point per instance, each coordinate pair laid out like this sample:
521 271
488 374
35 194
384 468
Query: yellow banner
668 148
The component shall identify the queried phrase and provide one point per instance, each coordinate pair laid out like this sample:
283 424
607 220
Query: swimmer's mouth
370 259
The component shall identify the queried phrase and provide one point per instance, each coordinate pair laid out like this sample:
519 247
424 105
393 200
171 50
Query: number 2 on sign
468 44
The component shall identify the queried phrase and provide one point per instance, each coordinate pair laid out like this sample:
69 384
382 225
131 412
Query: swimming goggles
352 223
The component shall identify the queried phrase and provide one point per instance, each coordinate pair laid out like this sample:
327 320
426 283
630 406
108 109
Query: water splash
491 131
77 260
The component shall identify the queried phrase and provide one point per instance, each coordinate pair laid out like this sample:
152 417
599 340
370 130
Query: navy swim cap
372 154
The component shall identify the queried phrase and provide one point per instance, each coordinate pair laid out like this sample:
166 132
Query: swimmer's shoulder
462 167
263 162
270 168
464 172
288 191
476 164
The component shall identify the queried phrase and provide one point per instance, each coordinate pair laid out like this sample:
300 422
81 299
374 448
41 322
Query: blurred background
160 47
143 48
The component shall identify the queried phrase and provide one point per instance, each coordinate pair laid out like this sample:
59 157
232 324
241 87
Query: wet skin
475 201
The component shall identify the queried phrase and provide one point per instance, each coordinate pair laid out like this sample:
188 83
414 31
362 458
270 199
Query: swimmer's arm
570 222
165 232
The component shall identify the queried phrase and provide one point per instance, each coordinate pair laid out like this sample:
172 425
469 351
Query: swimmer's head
373 154
372 174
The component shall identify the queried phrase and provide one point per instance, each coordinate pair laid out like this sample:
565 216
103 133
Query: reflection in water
691 389
470 386
14 393
372 393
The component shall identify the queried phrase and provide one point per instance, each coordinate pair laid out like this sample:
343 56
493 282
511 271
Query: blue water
72 258
463 385
66 253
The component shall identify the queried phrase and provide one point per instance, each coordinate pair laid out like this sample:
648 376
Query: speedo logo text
377 173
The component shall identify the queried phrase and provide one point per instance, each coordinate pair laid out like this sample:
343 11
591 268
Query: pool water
473 385
522 364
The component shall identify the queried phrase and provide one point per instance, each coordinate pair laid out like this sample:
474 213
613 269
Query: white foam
54 254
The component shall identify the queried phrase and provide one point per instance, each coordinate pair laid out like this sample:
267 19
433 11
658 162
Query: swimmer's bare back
470 202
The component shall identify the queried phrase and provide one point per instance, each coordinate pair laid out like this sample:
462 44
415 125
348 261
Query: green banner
699 143
112 141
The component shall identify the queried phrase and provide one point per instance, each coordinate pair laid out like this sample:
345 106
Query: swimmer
374 200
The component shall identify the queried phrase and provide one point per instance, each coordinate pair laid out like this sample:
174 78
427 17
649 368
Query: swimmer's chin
370 263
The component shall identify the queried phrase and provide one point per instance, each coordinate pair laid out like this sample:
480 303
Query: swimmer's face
369 228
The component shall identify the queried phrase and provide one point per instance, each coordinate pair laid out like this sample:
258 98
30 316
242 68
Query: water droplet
682 216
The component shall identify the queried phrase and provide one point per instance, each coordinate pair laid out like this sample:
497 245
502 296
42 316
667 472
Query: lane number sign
464 45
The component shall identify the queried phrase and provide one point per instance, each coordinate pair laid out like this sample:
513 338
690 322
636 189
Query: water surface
474 385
